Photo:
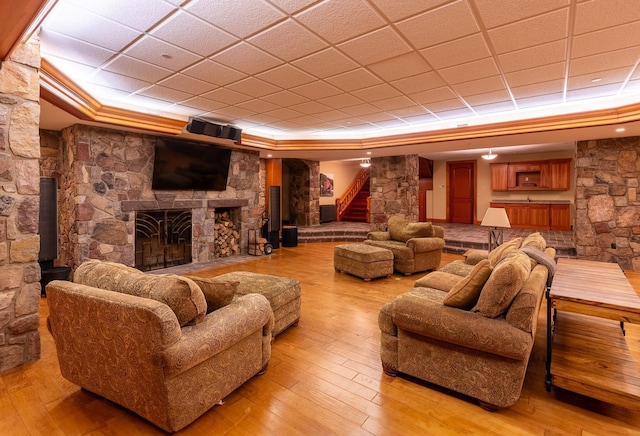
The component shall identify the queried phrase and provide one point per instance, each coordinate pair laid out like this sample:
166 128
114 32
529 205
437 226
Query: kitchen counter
537 214
532 201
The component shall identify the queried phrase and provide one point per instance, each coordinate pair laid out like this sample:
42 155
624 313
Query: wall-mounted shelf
548 175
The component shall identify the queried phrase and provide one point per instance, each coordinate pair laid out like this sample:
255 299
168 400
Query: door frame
474 177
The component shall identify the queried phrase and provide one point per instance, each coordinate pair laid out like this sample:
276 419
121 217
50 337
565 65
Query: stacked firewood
256 244
227 236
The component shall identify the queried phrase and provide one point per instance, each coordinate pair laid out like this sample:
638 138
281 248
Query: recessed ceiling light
166 55
596 80
368 152
269 155
620 129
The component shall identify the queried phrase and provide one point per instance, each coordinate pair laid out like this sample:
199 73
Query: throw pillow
501 251
182 295
217 292
535 240
466 292
402 230
504 283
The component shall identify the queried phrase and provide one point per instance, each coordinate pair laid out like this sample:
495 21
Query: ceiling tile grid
308 66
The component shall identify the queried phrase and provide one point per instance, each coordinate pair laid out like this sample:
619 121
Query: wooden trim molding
60 91
19 21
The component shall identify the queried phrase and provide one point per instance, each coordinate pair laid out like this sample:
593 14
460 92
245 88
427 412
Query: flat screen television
187 165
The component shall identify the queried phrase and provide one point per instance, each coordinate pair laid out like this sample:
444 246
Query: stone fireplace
226 230
163 239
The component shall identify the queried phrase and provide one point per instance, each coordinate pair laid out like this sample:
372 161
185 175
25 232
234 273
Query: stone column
394 189
19 207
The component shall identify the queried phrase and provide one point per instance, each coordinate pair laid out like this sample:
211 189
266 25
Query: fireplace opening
163 239
227 232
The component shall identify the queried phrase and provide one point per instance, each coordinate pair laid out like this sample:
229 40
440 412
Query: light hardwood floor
324 377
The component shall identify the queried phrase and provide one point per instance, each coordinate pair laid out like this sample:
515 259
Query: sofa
474 333
416 247
152 344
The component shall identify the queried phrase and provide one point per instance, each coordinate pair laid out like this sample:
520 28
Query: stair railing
342 203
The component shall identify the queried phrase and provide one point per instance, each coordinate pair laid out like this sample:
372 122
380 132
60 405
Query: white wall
344 173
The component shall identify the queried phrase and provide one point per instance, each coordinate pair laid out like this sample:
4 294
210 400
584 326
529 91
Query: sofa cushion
217 292
504 283
501 251
465 293
402 230
182 295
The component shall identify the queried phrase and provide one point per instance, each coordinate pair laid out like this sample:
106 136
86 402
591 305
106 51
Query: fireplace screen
163 239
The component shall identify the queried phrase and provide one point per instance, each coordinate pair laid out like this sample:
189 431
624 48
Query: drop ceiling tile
292 6
354 80
284 113
131 67
213 72
188 84
460 51
73 70
596 91
393 103
499 96
541 100
366 50
409 111
455 114
492 108
531 32
475 87
118 81
160 53
433 95
611 39
286 76
421 82
258 106
597 15
536 74
361 109
240 20
496 13
63 47
420 119
140 14
261 119
90 28
164 93
447 23
288 41
285 98
247 59
309 122
537 89
201 38
202 104
470 71
406 65
376 117
448 106
148 104
341 100
395 10
310 107
332 115
226 96
316 90
611 76
604 61
334 20
254 87
326 63
231 114
531 57
378 92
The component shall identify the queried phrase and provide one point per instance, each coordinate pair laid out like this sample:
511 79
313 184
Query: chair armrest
421 245
379 236
438 231
220 329
421 313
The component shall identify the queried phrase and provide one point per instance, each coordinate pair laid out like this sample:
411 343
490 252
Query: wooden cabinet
499 176
537 215
531 176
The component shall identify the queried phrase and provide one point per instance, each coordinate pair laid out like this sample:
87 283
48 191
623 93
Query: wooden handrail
343 202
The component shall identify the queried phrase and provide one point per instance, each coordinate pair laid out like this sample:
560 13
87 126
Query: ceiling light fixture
489 156
365 163
620 129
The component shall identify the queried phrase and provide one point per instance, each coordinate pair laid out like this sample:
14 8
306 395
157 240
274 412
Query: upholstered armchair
152 347
416 247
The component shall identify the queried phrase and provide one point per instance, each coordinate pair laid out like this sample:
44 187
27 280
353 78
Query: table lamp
497 219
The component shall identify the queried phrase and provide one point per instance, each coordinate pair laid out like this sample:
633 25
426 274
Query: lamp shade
496 217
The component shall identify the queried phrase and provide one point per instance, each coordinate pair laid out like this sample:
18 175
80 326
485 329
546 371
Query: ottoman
283 294
364 261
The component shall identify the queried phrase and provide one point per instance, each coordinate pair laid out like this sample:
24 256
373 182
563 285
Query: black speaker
48 215
202 127
230 132
274 208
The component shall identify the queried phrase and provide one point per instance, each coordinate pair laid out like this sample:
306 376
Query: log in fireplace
163 238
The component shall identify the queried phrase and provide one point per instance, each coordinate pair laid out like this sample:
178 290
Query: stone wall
607 226
304 191
394 189
106 178
19 206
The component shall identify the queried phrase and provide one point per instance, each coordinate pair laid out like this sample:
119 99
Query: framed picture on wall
326 185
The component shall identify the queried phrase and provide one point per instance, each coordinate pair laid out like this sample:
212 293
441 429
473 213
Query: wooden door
461 192
423 186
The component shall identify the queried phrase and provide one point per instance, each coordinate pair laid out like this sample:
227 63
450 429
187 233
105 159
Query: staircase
354 207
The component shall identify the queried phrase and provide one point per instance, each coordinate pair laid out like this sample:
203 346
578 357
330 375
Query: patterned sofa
472 334
416 247
156 344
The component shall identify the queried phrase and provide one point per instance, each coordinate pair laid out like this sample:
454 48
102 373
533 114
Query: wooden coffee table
587 306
